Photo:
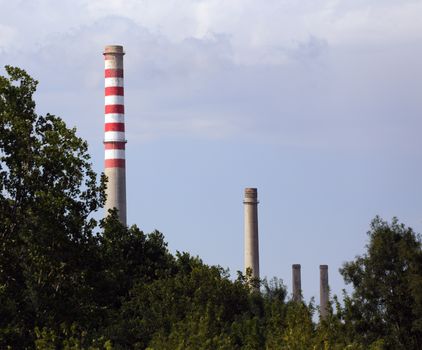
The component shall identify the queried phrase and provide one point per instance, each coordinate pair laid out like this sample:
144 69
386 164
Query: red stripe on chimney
113 73
114 90
114 145
114 127
115 163
115 109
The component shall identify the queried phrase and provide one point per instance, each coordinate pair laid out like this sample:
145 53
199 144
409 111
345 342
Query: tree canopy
48 192
387 280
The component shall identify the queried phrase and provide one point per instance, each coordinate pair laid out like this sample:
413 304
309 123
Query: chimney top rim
113 49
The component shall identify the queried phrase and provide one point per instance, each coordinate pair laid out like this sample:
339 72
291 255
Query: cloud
250 24
314 74
7 36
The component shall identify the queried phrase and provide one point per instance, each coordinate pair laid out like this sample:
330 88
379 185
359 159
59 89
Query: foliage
71 338
299 331
195 299
387 281
48 190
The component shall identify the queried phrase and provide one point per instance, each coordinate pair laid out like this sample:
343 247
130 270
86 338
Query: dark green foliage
387 282
195 304
127 256
48 190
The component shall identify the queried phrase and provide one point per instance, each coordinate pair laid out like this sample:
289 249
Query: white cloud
371 22
7 36
310 73
254 27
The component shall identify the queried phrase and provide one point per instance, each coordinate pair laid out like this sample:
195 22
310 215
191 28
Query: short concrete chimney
297 282
323 290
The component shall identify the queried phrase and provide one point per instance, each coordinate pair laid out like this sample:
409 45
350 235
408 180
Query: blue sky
316 103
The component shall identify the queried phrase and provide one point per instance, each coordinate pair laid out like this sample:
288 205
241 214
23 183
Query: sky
317 103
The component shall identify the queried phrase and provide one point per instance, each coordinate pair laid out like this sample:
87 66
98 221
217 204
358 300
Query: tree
48 191
192 303
387 299
274 294
299 331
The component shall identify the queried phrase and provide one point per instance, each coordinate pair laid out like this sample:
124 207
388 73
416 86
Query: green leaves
48 191
385 303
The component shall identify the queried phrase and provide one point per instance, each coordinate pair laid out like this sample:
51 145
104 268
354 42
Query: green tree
300 330
274 295
128 256
387 281
192 296
48 191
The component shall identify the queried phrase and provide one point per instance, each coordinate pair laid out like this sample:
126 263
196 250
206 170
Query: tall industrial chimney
297 282
323 290
114 131
251 231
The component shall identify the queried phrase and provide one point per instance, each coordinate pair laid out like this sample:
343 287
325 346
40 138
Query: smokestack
251 231
323 290
114 131
297 282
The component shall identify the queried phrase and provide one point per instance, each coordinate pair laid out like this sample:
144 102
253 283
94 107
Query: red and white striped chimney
114 131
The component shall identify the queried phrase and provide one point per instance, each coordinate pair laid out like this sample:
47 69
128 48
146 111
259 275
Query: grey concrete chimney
251 231
323 290
297 282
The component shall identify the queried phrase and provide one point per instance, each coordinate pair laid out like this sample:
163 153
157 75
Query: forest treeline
68 282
